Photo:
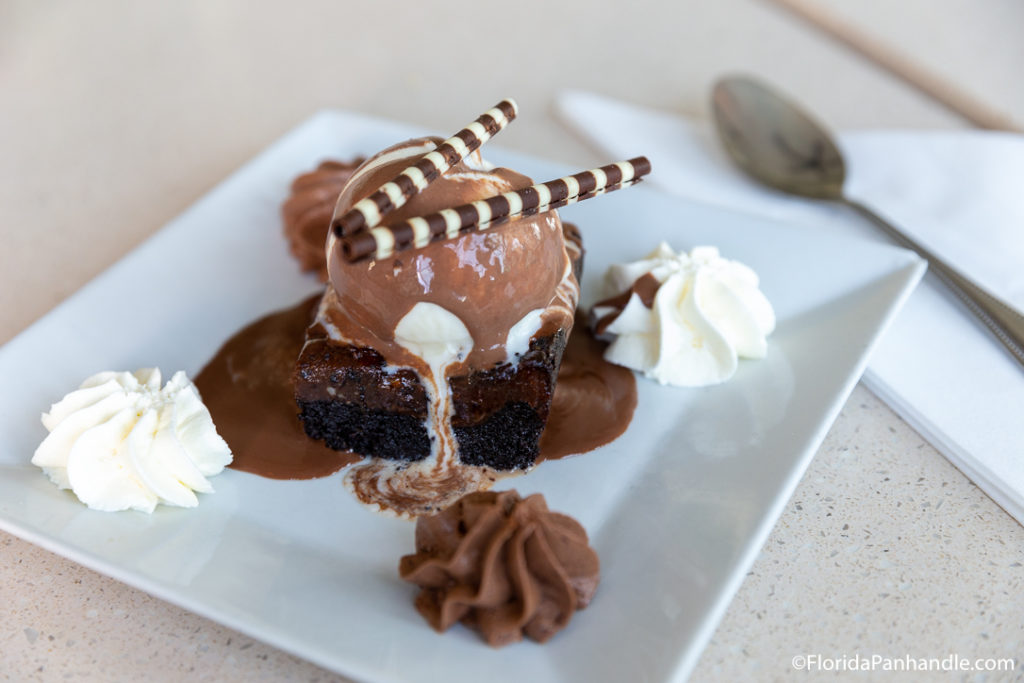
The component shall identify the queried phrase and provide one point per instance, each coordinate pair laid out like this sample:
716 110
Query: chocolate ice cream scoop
490 281
501 564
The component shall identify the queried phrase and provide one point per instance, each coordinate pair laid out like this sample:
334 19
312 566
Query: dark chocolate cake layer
348 398
498 415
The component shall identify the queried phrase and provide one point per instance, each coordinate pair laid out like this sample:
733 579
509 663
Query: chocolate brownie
352 400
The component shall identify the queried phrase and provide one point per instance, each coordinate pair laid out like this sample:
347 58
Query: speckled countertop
885 549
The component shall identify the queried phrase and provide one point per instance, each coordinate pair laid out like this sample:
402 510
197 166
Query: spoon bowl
775 141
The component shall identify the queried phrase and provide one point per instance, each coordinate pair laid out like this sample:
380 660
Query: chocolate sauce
248 388
594 399
646 287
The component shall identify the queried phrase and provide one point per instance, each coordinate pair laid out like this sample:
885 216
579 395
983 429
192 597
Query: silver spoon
778 144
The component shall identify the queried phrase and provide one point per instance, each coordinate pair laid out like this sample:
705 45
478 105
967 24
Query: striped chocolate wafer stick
382 242
368 213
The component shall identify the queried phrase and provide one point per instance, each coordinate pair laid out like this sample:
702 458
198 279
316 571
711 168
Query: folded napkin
960 193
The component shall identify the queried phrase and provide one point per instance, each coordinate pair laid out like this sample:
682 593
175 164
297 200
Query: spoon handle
1002 320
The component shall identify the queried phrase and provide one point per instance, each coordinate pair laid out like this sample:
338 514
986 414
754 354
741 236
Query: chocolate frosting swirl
307 212
501 564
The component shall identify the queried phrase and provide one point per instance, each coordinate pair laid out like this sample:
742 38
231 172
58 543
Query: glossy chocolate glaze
593 403
248 388
646 287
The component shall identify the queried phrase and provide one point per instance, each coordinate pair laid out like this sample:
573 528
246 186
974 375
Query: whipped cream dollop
684 318
121 442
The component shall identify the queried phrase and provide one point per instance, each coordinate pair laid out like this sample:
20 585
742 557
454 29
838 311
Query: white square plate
677 508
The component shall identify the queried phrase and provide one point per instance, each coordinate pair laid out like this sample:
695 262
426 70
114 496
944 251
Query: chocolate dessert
249 387
452 288
506 298
503 565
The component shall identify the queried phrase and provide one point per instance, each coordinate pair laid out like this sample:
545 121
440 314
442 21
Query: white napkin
961 193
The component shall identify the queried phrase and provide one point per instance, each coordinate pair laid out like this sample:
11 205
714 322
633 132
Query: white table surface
115 116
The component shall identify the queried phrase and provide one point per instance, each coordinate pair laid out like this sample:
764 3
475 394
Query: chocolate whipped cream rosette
307 212
503 565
